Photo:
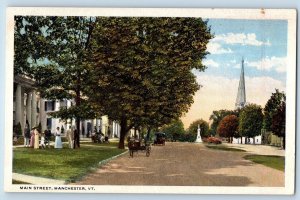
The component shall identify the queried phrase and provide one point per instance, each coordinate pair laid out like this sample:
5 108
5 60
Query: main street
180 164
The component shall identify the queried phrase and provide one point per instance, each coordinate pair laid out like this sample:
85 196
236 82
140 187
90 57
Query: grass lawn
64 164
276 162
223 148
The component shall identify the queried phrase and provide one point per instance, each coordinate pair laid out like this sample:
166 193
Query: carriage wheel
148 152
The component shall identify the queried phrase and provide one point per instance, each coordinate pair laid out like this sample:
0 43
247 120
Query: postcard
150 100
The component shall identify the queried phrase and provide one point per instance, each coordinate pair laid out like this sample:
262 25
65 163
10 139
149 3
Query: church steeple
241 95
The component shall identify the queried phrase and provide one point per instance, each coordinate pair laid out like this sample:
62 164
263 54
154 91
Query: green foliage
174 130
278 121
143 68
203 126
271 108
18 129
228 127
250 120
217 116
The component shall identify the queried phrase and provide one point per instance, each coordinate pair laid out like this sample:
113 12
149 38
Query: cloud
210 63
277 63
216 48
219 92
240 38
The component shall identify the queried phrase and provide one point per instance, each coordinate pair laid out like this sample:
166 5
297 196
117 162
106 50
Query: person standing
26 135
43 140
70 136
58 143
36 138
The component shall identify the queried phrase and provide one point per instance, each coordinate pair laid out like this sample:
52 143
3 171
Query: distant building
256 140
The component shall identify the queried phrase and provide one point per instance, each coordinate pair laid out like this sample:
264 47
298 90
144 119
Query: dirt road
181 164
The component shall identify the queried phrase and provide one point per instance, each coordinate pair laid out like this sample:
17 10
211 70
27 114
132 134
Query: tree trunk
77 134
123 133
241 140
253 140
77 119
148 133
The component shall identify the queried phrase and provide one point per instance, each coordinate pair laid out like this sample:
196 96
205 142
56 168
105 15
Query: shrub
18 129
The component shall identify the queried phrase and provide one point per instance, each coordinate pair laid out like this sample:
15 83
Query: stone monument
198 139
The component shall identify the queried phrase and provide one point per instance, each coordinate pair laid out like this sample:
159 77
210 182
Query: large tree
251 121
193 128
143 68
271 108
278 122
55 55
174 130
228 127
217 116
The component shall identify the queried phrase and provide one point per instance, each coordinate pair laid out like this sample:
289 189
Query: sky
263 46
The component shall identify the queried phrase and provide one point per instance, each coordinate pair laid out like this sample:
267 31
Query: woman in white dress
58 143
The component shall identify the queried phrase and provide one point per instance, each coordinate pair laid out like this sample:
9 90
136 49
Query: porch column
33 109
92 125
85 127
19 118
43 118
97 125
28 109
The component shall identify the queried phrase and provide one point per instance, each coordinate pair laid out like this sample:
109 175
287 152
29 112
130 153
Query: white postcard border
259 14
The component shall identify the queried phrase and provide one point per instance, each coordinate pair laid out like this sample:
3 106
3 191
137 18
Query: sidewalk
36 180
259 149
84 140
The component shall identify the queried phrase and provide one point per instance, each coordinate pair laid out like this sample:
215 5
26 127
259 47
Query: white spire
241 95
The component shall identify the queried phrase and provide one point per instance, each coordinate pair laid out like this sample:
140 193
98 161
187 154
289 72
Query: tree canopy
143 68
136 70
272 106
228 127
174 130
251 120
203 126
217 116
55 58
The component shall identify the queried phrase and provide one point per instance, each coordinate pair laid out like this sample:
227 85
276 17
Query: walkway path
36 180
259 149
185 164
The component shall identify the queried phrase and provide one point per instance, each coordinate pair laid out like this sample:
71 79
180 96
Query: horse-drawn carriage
160 138
139 145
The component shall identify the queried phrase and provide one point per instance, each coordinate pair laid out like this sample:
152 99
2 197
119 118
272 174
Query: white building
28 106
257 140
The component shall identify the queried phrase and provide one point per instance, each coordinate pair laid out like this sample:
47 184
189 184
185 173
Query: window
49 105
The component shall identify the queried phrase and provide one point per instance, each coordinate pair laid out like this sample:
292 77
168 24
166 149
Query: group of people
35 140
